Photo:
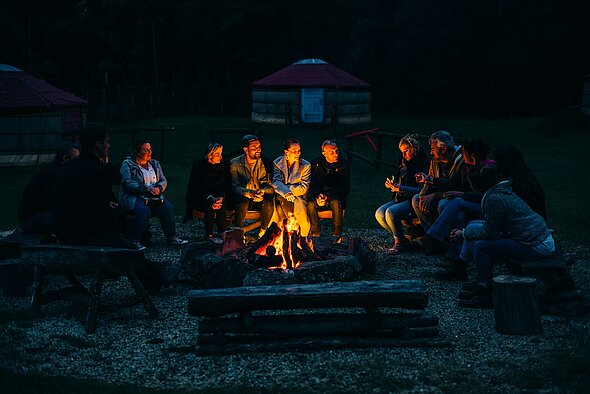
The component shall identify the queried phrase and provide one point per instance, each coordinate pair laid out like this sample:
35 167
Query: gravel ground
128 348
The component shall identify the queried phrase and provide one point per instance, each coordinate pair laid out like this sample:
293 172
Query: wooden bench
315 329
100 263
252 216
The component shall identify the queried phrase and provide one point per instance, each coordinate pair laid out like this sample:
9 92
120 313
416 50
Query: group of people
472 207
287 186
467 205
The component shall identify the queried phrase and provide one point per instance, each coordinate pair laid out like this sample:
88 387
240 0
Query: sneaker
176 242
137 246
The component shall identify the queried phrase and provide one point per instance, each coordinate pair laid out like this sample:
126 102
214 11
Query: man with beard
251 176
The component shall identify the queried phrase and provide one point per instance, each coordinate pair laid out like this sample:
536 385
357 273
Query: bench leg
93 300
36 291
143 294
76 284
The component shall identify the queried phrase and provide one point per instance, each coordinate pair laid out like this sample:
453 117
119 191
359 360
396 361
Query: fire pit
280 256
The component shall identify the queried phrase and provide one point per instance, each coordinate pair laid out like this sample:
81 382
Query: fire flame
282 243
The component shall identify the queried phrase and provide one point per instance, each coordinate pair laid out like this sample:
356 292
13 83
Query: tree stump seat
100 263
253 330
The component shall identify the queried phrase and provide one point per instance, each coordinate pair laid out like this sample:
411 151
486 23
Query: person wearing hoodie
510 230
391 214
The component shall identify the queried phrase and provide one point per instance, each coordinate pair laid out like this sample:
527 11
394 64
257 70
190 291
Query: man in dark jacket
329 188
34 209
84 205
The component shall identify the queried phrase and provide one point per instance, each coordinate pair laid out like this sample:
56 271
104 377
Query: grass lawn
553 147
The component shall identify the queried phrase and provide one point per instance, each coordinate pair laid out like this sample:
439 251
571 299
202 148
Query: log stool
516 305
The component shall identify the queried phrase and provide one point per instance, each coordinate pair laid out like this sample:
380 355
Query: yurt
34 117
311 91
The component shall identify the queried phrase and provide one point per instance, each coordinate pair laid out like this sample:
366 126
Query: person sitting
329 189
510 230
84 206
208 185
34 209
390 215
142 192
291 178
525 184
251 176
459 206
444 175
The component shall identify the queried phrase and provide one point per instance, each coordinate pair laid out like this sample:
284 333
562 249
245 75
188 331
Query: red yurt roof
22 93
311 73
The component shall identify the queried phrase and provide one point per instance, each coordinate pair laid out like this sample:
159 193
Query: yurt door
312 108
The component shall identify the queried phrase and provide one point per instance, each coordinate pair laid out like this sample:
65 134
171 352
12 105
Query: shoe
176 242
337 239
168 276
457 272
429 244
481 298
138 246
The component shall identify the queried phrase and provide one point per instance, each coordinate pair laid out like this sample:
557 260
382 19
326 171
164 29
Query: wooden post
516 305
13 278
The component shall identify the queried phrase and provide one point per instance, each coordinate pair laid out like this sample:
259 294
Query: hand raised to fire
290 197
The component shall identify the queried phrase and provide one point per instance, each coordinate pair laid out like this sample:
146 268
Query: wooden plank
314 344
321 324
62 259
364 294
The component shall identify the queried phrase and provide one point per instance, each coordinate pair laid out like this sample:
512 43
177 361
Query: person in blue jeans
391 214
142 186
458 206
510 230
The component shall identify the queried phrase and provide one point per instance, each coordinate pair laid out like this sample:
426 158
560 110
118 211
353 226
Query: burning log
269 260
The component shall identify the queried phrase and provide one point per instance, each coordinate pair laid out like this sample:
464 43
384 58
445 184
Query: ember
282 246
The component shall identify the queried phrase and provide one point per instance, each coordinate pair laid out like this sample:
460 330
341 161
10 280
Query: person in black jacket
329 188
84 206
34 209
208 185
403 185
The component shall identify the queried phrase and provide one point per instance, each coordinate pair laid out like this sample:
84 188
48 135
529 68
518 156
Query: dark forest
491 58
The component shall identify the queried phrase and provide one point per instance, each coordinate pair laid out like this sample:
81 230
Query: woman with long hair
403 186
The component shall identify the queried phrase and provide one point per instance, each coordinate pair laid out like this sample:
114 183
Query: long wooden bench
100 263
314 329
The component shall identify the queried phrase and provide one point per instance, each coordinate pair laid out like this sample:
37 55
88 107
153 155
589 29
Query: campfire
282 246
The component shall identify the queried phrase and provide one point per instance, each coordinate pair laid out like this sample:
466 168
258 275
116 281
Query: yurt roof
20 93
311 73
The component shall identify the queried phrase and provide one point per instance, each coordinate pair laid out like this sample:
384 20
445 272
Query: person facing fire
251 176
329 189
207 188
291 178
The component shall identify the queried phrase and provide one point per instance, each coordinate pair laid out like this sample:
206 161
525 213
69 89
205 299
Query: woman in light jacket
142 186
